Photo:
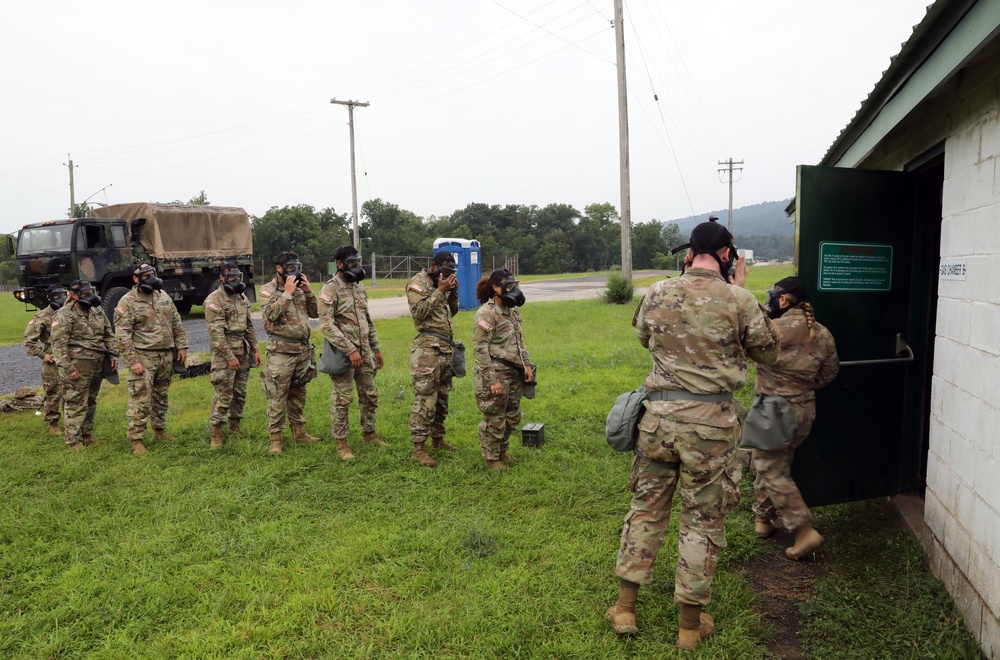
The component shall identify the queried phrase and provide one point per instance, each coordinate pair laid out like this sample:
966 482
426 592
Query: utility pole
623 174
72 189
729 168
354 181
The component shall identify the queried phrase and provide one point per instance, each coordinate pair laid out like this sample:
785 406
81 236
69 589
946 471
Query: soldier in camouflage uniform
808 361
38 343
700 331
287 303
502 364
81 338
148 329
433 297
234 350
347 325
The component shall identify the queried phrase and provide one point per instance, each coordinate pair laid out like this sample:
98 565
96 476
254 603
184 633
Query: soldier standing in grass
808 361
433 297
38 343
287 303
699 330
81 338
347 325
234 349
148 329
502 366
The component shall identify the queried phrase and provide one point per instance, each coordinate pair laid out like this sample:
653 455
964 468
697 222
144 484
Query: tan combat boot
763 528
344 450
507 458
216 436
372 440
54 428
807 541
299 434
621 615
695 626
161 434
75 446
234 426
421 455
495 465
138 448
91 440
439 443
275 447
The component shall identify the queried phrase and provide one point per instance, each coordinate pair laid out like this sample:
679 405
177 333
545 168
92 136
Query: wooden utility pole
354 180
623 174
729 168
72 189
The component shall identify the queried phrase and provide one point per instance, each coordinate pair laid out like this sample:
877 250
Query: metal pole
623 171
354 181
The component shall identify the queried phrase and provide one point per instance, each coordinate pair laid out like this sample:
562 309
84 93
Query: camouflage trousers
343 394
80 399
501 412
284 379
777 495
230 389
708 471
432 376
148 392
52 387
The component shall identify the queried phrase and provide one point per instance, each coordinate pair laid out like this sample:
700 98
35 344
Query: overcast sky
495 101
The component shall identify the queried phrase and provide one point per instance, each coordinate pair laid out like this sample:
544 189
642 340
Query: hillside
764 219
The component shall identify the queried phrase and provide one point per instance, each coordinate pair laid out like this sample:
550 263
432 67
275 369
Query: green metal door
854 250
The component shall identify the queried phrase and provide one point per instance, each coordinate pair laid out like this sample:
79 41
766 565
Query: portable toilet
467 260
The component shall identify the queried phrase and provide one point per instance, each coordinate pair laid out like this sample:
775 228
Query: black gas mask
511 295
233 282
773 305
148 281
57 299
87 298
291 269
445 270
353 270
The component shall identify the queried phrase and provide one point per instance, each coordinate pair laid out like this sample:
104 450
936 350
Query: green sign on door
854 267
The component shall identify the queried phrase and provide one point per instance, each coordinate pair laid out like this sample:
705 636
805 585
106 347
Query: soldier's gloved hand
138 369
355 359
234 364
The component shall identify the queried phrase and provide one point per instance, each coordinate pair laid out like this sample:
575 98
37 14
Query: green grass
13 319
195 553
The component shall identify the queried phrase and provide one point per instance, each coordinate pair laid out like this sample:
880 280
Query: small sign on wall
854 267
952 269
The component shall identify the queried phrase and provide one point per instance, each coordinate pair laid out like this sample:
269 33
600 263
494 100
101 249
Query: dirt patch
782 585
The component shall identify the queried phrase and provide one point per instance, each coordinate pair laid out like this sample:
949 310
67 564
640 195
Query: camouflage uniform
80 340
346 323
38 343
290 355
700 332
497 336
802 367
430 355
231 335
148 329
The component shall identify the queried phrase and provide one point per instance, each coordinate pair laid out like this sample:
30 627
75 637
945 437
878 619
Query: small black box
533 435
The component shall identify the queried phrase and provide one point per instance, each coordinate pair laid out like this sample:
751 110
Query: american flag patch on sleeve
416 287
265 293
55 323
484 325
325 297
120 309
213 307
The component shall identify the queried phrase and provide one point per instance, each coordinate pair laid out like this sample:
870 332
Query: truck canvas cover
183 231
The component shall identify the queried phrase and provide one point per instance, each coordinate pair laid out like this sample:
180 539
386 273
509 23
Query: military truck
185 244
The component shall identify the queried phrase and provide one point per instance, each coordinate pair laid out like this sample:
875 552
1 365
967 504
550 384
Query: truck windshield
41 240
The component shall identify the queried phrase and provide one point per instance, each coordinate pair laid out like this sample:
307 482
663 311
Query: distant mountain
764 219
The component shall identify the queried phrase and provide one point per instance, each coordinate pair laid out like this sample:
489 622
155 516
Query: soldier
287 304
699 330
502 364
346 323
234 349
38 343
433 298
808 361
81 338
148 329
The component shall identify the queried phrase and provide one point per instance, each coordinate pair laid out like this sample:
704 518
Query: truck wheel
183 306
111 298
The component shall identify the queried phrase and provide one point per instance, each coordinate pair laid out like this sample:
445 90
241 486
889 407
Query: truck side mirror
10 246
135 226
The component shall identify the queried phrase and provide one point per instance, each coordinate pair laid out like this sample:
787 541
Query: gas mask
57 299
353 270
233 283
291 269
88 299
511 295
444 270
148 281
773 305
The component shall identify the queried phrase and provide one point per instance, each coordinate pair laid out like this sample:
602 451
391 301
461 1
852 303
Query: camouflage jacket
344 318
700 332
149 322
81 335
286 318
431 311
803 365
38 334
496 333
230 328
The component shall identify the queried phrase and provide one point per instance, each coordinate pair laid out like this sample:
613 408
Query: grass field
194 553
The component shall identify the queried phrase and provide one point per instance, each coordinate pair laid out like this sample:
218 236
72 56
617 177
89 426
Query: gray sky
495 101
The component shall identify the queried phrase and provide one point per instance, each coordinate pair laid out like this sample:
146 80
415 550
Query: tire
111 298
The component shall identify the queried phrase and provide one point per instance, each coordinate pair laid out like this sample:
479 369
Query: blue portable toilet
467 260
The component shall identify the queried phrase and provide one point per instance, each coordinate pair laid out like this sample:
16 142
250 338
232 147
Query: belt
154 350
508 363
234 333
434 334
680 395
304 342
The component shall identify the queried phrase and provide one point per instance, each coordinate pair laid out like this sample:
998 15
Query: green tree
81 211
598 238
313 235
201 199
391 230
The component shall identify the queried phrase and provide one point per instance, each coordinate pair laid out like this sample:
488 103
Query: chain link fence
396 270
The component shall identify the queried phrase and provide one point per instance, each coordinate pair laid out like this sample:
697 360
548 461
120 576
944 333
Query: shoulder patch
325 297
55 323
416 287
213 307
120 309
265 292
482 323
